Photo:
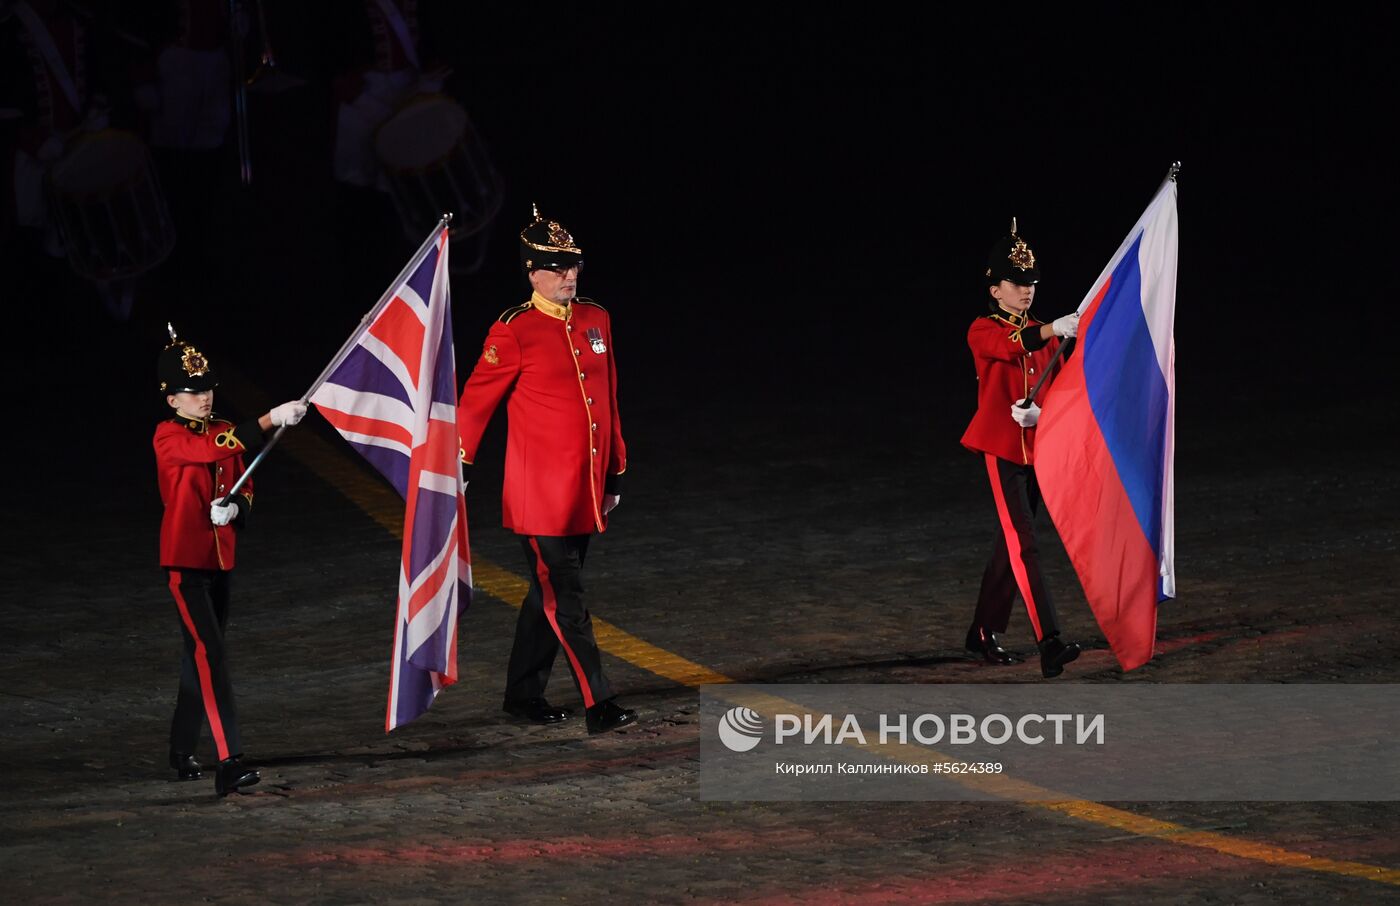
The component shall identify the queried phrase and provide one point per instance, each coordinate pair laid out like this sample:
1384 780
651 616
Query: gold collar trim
551 308
196 424
1011 317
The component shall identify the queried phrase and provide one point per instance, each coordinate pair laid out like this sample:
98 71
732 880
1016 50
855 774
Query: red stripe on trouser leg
550 607
201 664
1013 544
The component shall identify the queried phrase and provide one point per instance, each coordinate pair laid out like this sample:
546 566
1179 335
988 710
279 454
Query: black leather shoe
231 776
535 709
608 715
186 767
1054 654
980 641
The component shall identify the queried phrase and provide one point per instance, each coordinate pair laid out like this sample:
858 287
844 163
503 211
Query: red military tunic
198 460
564 447
1006 372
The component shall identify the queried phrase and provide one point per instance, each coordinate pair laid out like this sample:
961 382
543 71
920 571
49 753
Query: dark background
787 209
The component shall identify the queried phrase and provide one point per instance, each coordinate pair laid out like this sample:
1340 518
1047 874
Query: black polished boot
535 709
186 767
984 643
231 776
608 715
1054 654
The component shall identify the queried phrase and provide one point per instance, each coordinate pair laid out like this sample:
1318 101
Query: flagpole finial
1013 226
1173 170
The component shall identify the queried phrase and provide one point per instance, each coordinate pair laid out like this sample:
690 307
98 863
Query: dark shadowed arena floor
786 217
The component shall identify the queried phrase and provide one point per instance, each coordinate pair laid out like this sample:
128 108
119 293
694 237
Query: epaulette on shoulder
581 300
513 311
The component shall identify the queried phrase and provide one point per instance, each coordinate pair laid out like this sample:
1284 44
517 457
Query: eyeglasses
561 271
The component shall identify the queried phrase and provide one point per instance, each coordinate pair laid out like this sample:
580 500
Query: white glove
1026 418
288 413
222 515
610 502
1068 326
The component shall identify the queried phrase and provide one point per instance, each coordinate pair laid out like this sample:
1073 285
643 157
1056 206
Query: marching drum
108 204
435 162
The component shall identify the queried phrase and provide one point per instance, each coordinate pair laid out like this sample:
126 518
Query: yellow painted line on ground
342 471
1034 796
1232 846
507 586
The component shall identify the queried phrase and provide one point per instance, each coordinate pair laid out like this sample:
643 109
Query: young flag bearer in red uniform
1011 351
551 359
199 457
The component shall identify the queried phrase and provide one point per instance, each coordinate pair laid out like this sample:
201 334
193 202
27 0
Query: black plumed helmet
1012 259
545 243
182 368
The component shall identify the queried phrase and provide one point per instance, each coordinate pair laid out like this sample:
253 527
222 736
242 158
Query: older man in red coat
551 359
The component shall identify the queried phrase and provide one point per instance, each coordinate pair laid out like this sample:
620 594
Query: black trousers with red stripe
1015 561
553 616
206 691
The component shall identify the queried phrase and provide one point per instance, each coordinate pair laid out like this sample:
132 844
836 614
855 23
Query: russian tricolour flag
393 396
1103 451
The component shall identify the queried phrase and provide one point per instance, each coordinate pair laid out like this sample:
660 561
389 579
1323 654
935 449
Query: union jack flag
393 397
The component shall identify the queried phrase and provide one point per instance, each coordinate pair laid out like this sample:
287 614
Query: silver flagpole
339 357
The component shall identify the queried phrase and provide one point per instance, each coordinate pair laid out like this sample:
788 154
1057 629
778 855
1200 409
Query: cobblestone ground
839 543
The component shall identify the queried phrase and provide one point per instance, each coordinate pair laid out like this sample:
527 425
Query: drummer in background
184 96
381 55
50 70
385 62
183 88
56 67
